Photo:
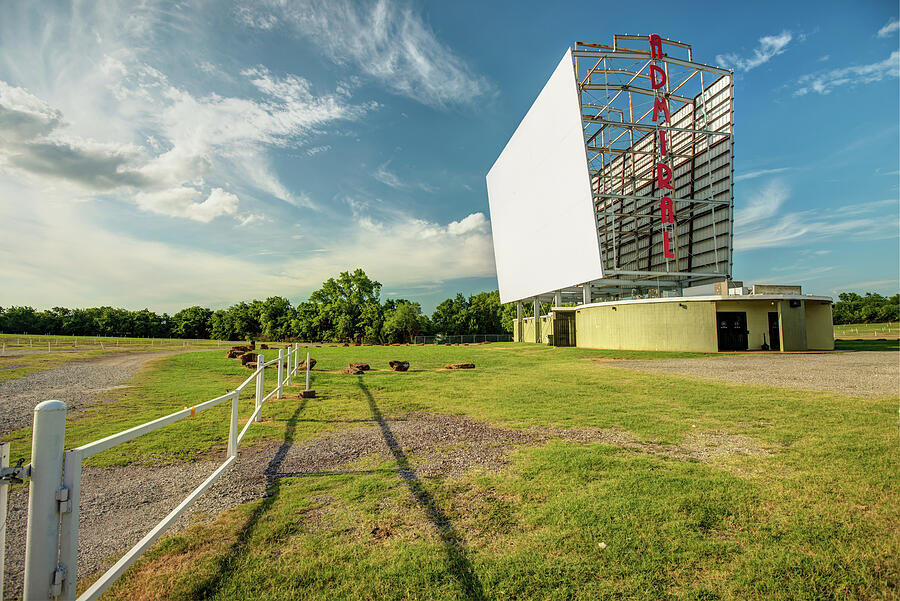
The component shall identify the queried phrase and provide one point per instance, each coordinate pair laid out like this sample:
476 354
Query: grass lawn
814 515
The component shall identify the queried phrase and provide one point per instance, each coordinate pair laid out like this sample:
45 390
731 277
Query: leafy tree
404 322
345 306
193 322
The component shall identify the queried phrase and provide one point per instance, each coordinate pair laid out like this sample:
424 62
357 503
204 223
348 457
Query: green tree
193 322
404 322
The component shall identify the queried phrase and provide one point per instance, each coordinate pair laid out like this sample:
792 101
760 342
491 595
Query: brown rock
460 366
302 365
399 365
353 371
263 347
250 364
234 354
362 366
247 358
242 347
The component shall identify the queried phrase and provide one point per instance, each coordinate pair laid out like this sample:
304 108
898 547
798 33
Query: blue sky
170 154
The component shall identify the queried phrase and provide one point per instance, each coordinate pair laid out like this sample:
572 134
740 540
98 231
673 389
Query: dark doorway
732 328
774 335
564 328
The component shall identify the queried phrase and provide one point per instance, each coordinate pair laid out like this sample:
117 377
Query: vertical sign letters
663 171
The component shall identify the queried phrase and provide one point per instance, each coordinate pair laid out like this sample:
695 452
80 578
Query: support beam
520 321
586 290
557 298
537 320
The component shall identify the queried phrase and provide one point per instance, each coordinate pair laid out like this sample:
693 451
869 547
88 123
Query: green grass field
814 516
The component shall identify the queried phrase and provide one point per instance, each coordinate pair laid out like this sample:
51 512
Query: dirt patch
869 374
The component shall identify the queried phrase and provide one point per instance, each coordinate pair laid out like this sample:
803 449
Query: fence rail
51 545
463 338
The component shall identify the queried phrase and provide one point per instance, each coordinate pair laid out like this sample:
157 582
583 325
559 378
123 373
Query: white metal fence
51 546
463 338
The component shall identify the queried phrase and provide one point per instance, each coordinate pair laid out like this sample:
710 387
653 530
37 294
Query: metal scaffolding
622 144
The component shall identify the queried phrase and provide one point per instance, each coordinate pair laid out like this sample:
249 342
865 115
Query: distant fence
51 541
463 339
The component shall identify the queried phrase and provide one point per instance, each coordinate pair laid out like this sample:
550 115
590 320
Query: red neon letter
655 46
660 103
667 250
657 77
666 211
663 182
662 142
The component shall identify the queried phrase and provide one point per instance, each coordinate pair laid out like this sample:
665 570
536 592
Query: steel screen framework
623 149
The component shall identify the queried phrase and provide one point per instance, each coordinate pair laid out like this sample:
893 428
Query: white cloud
759 173
769 47
890 27
824 83
476 222
182 202
389 178
761 222
385 39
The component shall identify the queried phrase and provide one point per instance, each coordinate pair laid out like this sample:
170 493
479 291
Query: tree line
347 308
871 308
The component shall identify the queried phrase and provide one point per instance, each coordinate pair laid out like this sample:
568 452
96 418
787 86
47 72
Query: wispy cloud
389 178
769 47
824 82
762 221
386 39
890 27
760 173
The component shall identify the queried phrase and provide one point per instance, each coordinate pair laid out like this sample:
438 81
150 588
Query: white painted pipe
47 445
4 495
260 382
307 370
280 373
290 356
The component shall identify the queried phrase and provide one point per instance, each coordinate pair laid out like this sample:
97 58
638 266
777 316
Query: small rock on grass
460 366
399 365
353 371
362 366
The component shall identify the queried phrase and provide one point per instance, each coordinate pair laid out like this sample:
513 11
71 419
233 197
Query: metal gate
564 328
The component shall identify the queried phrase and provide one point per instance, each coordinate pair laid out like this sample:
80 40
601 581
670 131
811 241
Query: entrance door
774 336
732 328
564 328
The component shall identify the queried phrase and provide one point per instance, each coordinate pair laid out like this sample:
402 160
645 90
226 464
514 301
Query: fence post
68 535
233 432
290 356
280 372
41 538
296 358
260 382
4 494
307 370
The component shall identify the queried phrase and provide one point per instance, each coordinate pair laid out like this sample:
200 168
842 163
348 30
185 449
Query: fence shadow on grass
457 559
229 562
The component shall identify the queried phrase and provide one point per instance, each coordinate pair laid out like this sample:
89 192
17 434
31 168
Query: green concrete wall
672 326
793 326
528 329
819 326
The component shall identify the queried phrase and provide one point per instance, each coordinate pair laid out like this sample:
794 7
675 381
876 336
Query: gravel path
866 373
78 384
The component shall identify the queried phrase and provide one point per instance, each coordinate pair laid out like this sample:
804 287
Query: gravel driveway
867 374
78 384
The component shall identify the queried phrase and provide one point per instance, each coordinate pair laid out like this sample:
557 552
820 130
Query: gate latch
15 473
